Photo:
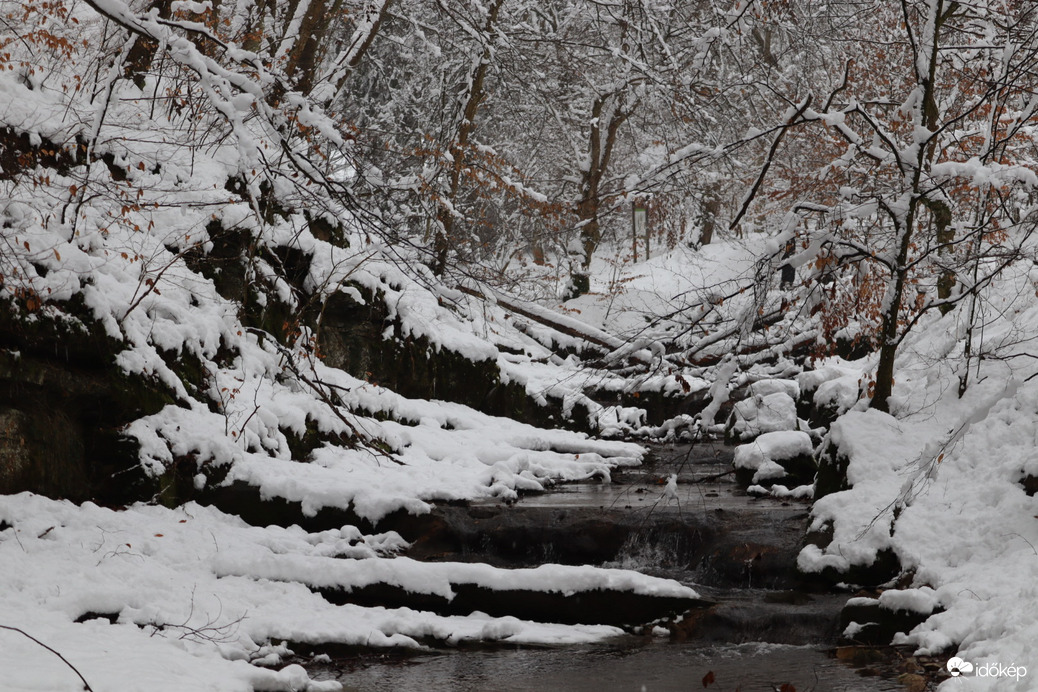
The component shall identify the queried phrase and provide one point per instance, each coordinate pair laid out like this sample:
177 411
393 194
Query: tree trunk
254 27
305 55
600 149
890 328
446 235
945 237
944 233
141 55
363 36
711 210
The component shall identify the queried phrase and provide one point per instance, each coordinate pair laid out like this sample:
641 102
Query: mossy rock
177 484
883 570
852 348
41 449
351 335
800 470
821 415
63 403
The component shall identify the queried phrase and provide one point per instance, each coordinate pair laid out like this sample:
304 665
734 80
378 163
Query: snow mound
763 388
874 447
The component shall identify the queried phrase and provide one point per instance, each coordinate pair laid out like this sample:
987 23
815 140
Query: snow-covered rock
757 415
195 599
762 388
773 456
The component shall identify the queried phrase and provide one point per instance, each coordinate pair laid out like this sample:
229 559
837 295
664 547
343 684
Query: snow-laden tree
611 99
927 193
516 129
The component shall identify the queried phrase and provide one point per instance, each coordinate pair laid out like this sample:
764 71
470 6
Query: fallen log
616 348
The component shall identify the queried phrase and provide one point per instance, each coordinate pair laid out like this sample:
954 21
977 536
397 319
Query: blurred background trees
886 147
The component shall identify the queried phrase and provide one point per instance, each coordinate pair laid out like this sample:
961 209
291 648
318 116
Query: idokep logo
956 666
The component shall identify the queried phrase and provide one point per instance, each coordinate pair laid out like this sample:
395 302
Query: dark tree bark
446 235
600 150
141 55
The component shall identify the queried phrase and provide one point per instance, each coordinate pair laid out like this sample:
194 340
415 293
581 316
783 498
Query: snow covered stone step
143 595
548 593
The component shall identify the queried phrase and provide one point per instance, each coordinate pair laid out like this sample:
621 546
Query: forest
283 283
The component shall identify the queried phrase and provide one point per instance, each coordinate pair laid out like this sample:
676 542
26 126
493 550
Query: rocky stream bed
760 625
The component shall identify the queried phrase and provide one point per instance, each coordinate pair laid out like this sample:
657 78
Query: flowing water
764 632
623 666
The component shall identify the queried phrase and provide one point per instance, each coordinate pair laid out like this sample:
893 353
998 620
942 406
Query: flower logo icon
956 666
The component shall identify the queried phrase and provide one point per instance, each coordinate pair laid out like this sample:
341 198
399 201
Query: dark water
658 666
730 645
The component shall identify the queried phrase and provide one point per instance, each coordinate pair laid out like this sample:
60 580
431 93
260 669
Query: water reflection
655 667
708 500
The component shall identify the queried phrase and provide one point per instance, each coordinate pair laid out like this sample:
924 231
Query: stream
619 667
766 629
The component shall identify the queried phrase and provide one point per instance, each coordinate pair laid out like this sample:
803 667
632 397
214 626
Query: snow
951 468
762 456
801 492
763 388
201 598
922 600
453 453
757 415
859 517
438 578
203 601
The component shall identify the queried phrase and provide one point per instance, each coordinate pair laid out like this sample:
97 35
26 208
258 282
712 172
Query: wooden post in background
639 226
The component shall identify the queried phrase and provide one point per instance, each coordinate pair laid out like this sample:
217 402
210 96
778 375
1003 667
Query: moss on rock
63 403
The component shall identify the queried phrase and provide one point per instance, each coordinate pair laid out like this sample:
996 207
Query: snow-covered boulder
860 476
785 454
762 388
828 392
864 437
879 620
835 397
757 415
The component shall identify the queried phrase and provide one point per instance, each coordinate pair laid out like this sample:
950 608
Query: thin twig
317 386
713 477
86 684
767 162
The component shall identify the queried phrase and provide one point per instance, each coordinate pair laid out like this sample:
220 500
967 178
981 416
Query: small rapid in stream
764 631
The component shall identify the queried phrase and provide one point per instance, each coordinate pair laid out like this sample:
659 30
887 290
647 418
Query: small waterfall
667 547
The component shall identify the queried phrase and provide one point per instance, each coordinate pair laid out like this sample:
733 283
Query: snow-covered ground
199 600
200 597
949 469
940 483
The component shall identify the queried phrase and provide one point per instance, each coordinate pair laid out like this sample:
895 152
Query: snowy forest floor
191 598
